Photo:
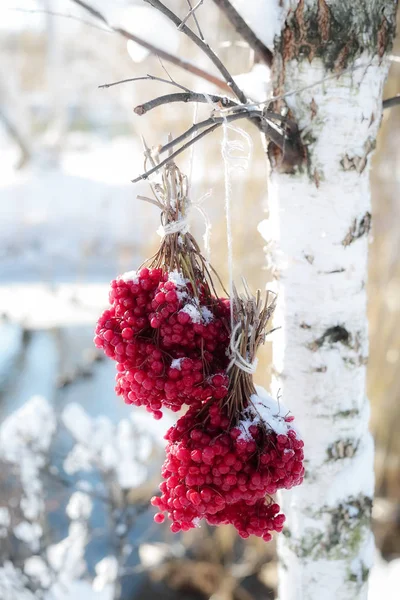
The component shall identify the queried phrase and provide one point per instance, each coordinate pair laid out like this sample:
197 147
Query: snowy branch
245 31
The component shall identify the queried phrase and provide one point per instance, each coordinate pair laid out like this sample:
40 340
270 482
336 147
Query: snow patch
196 522
79 506
106 573
30 533
12 583
177 363
36 568
77 422
206 314
198 314
264 409
129 276
264 17
25 438
193 312
177 278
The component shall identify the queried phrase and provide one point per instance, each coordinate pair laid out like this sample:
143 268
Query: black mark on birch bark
347 525
309 258
358 163
333 335
358 229
341 270
337 33
314 108
342 449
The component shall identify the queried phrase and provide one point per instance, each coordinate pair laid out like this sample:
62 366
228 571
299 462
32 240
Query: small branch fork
202 45
175 60
284 133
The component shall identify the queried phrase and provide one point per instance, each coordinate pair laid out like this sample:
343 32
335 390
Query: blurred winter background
77 466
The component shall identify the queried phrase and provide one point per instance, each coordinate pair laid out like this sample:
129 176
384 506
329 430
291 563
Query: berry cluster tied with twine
177 343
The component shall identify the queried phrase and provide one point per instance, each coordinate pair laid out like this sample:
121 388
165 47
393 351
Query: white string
180 226
237 359
228 213
232 161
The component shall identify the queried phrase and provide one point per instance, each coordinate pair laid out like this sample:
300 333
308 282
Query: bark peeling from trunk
318 226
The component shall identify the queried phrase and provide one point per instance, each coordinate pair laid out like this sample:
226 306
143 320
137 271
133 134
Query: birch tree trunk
317 236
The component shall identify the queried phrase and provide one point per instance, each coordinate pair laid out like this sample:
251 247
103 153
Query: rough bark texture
317 236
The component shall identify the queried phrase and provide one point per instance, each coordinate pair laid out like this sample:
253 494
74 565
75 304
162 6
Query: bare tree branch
148 78
389 102
202 124
280 139
175 60
245 31
192 12
202 45
183 97
60 14
176 153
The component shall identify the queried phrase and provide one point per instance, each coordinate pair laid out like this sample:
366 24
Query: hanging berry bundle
175 344
165 327
225 458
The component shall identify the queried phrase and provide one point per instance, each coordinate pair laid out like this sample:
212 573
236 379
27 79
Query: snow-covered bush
117 456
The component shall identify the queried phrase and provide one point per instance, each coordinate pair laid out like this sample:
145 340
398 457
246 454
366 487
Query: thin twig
280 136
202 45
190 142
148 78
201 125
223 101
245 31
176 153
54 13
175 60
192 12
389 102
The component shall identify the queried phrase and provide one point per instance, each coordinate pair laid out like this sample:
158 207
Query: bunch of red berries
169 344
222 472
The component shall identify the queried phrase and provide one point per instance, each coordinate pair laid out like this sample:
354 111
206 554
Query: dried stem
179 249
250 319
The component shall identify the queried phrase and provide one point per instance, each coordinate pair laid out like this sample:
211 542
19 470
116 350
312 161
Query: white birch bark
317 239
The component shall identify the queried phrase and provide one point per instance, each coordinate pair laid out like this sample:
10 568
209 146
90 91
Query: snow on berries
177 346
